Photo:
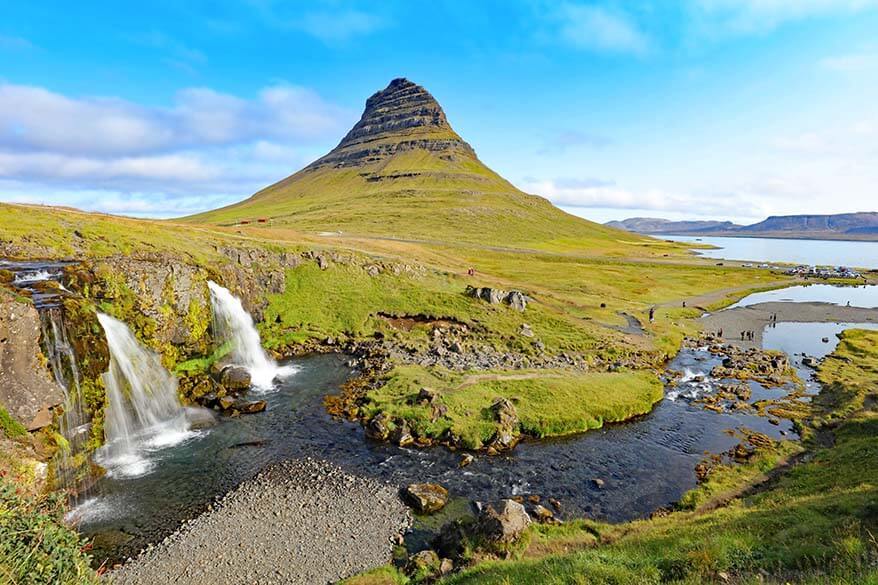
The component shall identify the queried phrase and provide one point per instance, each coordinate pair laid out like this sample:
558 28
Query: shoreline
756 317
301 521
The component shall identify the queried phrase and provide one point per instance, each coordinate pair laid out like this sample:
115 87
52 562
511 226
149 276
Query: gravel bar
302 521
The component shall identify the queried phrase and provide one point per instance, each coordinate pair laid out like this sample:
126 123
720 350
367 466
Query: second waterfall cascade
143 411
233 324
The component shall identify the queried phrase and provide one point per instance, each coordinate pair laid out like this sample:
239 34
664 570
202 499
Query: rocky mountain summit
403 116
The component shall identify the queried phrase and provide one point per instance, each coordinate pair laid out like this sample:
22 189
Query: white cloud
762 16
331 25
340 27
108 154
851 62
34 118
597 28
592 193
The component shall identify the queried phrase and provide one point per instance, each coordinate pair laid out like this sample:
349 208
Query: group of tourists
748 335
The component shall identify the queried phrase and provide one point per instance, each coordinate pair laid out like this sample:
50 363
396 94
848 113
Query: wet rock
377 428
506 417
465 460
423 564
425 498
401 434
199 418
235 378
505 525
810 362
543 515
41 420
454 538
249 407
598 483
226 402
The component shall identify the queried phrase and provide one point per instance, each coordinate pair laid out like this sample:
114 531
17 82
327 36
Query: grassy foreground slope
816 523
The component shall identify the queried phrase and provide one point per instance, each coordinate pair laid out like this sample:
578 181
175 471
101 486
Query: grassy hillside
419 196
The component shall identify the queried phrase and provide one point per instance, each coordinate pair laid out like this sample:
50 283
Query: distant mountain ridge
653 225
862 225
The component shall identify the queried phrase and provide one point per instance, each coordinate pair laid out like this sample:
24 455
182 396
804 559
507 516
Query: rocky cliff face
403 116
26 388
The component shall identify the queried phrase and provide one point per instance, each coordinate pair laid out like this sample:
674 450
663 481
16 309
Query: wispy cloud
14 43
342 26
35 118
741 17
592 193
331 24
176 53
851 62
600 29
567 139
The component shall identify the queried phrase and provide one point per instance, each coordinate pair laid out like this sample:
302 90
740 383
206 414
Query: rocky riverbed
303 521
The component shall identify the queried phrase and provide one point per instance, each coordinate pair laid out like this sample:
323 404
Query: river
644 464
810 252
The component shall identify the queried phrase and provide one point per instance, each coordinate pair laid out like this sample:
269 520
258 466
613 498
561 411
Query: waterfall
143 412
231 323
73 423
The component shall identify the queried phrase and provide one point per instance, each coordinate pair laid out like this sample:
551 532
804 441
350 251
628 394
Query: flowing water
644 464
42 280
233 324
143 411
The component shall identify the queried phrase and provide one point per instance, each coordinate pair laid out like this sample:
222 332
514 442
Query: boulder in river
425 498
249 406
377 428
506 417
235 378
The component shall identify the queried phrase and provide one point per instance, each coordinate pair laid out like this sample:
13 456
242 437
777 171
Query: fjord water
233 324
143 411
865 296
811 252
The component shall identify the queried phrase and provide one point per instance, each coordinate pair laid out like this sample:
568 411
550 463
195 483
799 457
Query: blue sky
731 109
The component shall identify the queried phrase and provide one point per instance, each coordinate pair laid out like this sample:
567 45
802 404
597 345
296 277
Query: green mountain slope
402 171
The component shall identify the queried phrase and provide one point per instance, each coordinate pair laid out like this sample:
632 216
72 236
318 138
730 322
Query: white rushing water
233 324
143 412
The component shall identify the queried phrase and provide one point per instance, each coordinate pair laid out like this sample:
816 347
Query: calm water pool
810 252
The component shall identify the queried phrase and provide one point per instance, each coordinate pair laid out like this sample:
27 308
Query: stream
644 464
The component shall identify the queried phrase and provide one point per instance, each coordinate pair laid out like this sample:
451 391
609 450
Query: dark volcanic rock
403 116
425 498
235 378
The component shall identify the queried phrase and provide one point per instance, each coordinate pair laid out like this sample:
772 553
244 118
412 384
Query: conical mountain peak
401 117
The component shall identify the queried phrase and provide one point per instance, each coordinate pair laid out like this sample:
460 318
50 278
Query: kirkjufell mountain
403 171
